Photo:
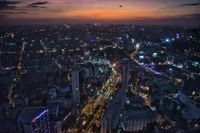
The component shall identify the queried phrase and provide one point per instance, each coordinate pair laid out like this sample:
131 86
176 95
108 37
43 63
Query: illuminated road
17 76
147 69
46 51
95 107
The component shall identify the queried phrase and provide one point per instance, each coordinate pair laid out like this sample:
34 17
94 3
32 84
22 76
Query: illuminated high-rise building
124 75
75 87
34 120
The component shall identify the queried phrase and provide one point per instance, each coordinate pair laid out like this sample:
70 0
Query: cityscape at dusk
99 66
173 12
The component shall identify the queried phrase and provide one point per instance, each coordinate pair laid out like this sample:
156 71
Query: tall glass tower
75 87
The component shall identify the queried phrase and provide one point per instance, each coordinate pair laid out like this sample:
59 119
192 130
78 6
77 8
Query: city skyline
99 78
99 66
171 12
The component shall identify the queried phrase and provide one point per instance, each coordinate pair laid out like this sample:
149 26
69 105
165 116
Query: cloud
14 12
38 4
190 4
8 4
2 16
196 15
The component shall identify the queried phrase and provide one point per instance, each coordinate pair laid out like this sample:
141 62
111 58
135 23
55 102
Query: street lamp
114 65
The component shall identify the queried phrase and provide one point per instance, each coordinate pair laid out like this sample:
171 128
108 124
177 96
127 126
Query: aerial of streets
99 78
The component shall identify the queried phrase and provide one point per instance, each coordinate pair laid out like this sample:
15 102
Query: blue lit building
34 120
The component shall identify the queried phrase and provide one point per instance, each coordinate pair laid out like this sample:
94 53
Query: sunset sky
111 11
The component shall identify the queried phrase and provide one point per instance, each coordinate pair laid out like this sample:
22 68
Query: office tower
34 120
111 117
124 76
75 87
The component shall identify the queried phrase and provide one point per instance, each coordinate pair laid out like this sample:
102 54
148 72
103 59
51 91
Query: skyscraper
75 87
34 120
124 75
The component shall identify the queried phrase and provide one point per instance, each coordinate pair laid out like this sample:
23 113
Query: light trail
98 105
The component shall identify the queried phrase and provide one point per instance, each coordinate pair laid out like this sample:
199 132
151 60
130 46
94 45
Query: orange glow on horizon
101 10
108 14
104 14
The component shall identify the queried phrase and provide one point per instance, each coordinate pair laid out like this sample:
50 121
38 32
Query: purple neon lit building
34 120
